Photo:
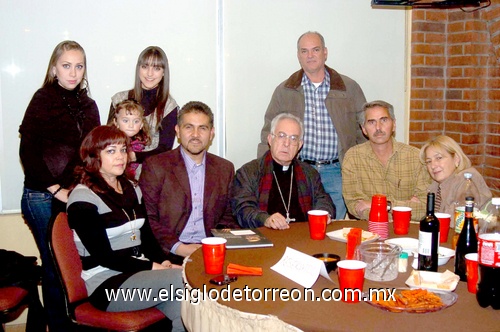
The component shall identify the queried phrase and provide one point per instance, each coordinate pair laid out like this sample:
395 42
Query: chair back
67 260
69 268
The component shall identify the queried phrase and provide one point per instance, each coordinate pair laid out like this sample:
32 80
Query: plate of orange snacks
412 300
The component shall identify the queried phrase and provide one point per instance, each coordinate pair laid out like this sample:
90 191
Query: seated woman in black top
112 233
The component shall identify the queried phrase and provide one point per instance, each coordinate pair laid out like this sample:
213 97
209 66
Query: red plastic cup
214 252
378 209
317 224
444 226
380 228
351 278
401 216
471 270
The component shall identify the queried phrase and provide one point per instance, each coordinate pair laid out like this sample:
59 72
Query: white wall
228 54
365 44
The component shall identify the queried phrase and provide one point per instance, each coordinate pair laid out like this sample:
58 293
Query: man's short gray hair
311 33
372 104
290 116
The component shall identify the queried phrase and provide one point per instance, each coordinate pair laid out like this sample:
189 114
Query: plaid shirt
320 136
404 176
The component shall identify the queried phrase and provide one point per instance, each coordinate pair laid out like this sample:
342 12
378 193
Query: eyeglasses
294 139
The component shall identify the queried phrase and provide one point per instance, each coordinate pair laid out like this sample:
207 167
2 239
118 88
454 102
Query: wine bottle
467 241
428 238
466 189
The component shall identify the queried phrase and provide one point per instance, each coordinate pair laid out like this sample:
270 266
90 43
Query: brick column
455 83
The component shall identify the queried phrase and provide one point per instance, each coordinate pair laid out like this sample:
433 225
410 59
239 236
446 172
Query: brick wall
455 83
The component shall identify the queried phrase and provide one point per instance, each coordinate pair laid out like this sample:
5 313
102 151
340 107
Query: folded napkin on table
243 270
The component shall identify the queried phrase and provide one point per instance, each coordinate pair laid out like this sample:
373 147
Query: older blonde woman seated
446 164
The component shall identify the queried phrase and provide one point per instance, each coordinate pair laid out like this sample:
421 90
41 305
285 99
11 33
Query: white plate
338 235
430 280
408 244
444 255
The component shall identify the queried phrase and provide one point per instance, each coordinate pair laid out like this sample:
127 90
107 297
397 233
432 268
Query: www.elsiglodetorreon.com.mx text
227 293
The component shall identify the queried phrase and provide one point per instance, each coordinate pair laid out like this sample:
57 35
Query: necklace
287 208
118 187
133 237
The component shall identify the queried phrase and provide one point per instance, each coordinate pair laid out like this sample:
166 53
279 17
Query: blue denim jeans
331 177
36 207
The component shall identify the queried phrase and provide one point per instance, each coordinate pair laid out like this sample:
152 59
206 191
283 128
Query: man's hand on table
276 221
361 206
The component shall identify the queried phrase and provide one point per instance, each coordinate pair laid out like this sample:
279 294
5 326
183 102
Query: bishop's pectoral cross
287 208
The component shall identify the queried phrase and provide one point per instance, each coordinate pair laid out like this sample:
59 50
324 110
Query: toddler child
129 118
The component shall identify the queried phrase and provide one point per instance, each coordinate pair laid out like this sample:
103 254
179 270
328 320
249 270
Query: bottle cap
403 255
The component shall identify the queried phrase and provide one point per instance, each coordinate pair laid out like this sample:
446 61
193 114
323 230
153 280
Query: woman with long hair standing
58 117
152 91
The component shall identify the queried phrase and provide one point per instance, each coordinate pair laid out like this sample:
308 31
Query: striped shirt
320 136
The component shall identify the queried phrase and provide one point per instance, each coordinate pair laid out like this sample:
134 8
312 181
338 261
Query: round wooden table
331 315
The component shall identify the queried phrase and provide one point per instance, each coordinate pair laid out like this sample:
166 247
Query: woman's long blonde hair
67 45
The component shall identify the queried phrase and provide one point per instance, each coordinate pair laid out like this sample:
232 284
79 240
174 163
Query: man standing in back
327 103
